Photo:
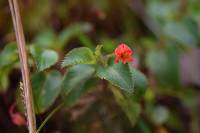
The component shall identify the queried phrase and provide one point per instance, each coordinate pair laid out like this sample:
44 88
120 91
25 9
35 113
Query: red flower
17 118
123 52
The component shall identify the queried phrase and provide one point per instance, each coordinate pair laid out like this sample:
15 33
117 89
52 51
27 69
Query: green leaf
181 33
81 55
140 82
9 55
98 50
167 72
46 88
76 82
77 76
129 106
73 30
4 81
119 75
44 58
46 39
75 94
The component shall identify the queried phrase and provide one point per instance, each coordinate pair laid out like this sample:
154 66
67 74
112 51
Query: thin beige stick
24 65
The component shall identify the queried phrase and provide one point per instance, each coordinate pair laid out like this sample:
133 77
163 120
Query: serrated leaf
128 105
46 88
44 58
76 76
81 55
119 75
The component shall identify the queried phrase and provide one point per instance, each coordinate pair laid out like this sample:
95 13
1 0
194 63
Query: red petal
17 118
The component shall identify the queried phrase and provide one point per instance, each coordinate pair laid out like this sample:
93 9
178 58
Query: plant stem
24 65
49 116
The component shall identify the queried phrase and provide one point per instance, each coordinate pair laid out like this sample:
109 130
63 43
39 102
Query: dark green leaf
140 83
76 76
75 94
128 105
46 88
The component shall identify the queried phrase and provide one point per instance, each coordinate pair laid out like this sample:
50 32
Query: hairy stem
24 65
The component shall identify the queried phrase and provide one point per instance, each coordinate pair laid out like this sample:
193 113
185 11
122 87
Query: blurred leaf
74 30
129 106
4 81
160 115
98 50
81 55
167 72
46 39
180 32
162 10
117 74
108 44
9 55
46 88
194 9
144 127
44 58
76 77
85 40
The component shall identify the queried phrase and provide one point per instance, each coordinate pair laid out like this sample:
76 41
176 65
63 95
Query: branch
24 65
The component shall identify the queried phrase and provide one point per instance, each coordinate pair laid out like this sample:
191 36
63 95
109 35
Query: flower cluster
124 53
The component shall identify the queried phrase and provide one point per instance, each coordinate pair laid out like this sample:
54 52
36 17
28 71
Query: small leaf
81 55
46 88
4 81
76 76
98 50
9 55
44 58
129 106
117 74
